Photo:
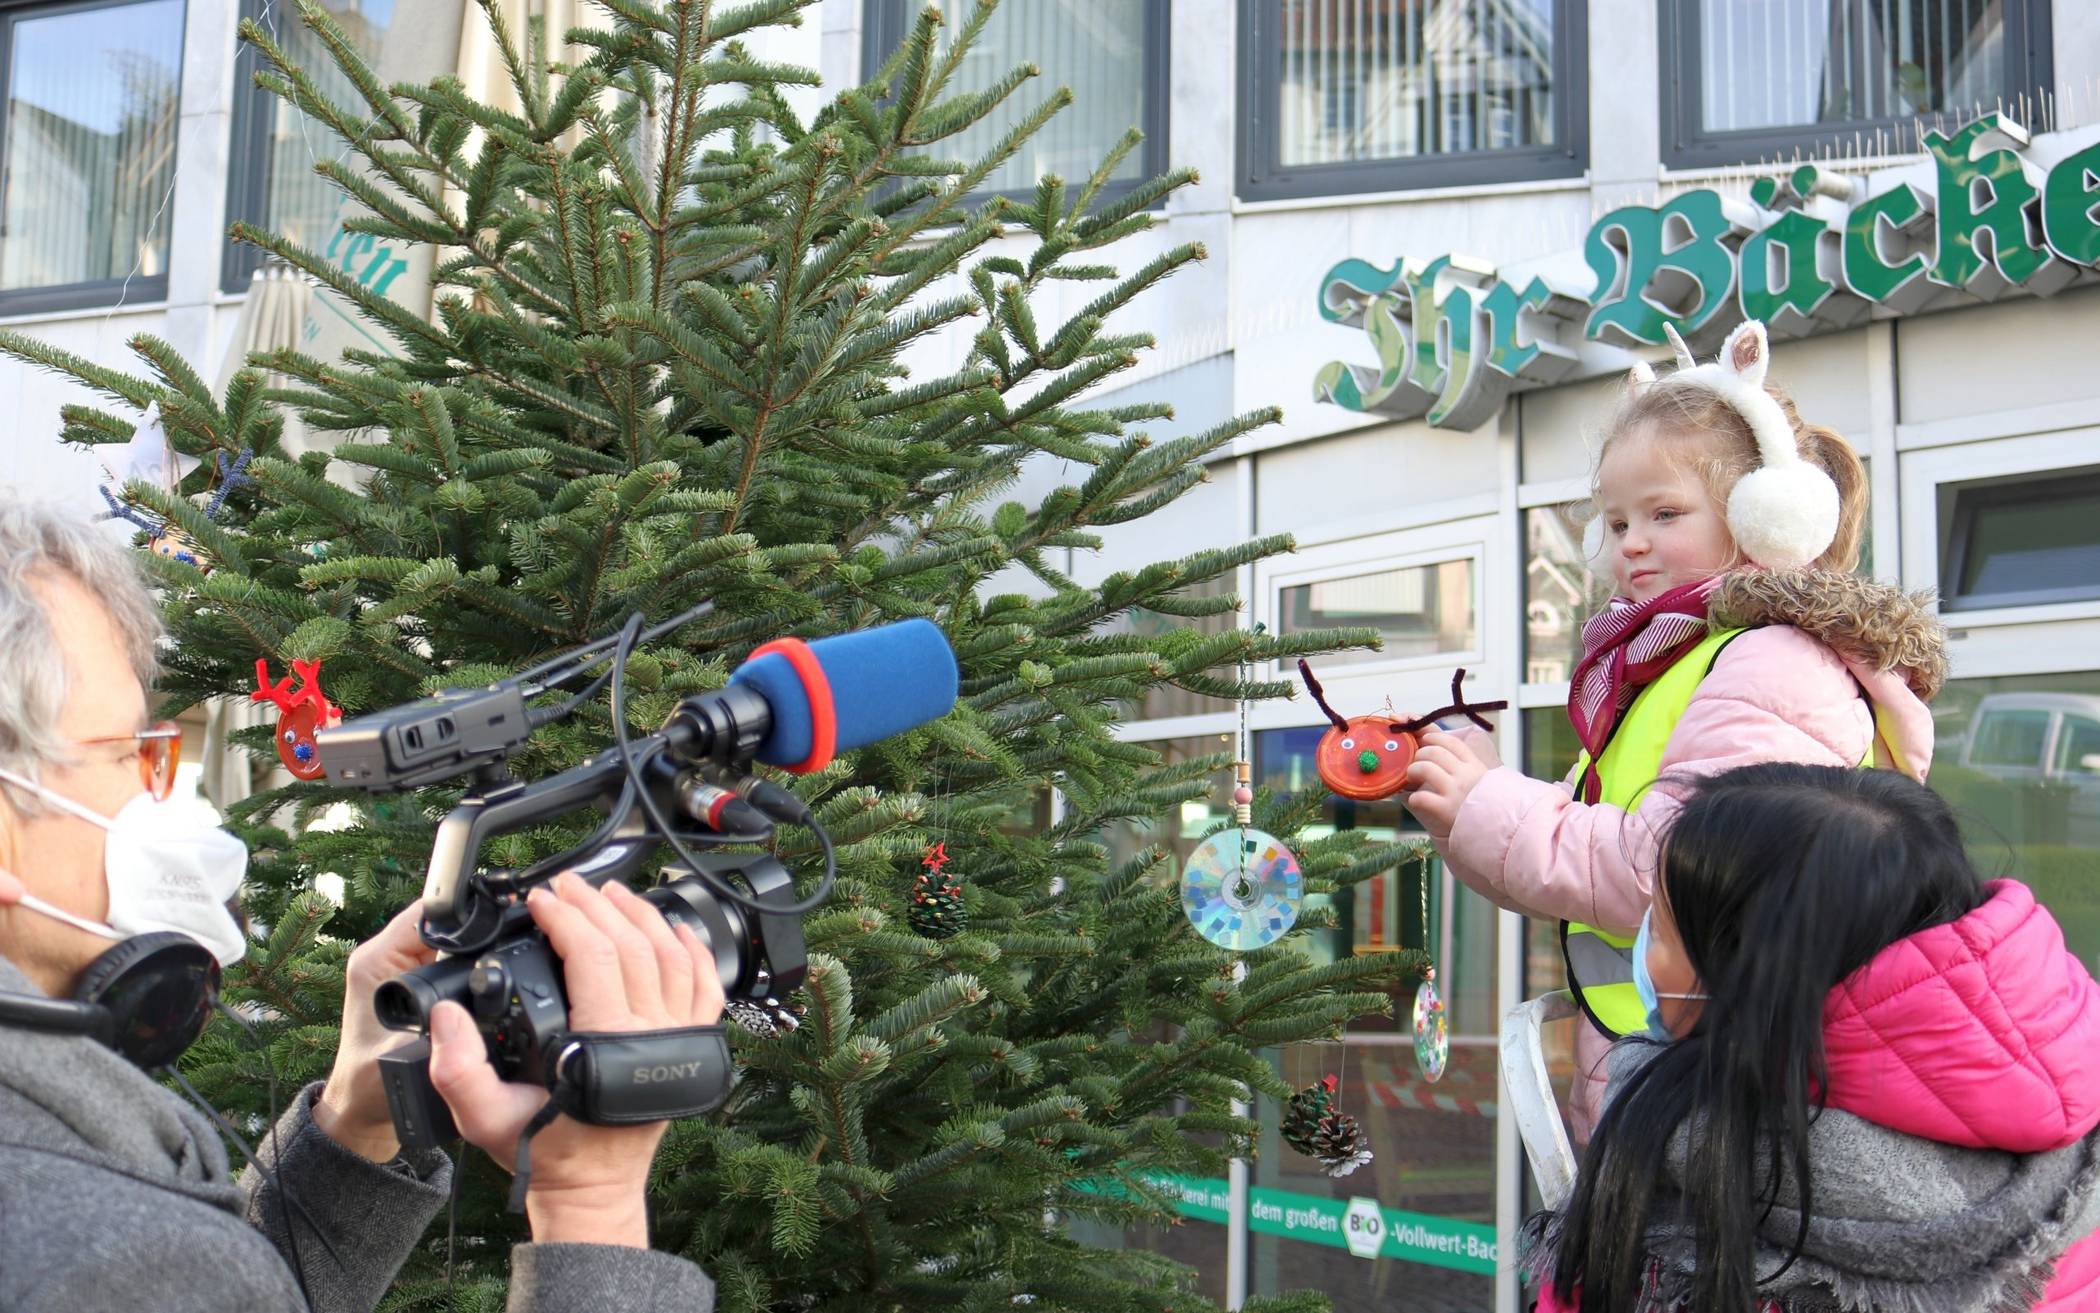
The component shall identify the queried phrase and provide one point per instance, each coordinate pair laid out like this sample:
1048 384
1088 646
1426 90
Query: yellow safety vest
1599 963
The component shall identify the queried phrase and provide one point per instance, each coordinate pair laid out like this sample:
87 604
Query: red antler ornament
1367 757
301 714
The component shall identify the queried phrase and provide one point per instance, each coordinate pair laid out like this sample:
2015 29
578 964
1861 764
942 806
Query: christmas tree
662 369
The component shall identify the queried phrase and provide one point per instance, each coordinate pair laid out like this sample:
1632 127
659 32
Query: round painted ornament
1432 1029
1365 758
1242 889
301 714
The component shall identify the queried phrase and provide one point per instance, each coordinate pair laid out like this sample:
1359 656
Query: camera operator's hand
352 1108
626 969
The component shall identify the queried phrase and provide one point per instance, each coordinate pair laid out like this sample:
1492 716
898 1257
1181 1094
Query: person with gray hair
119 906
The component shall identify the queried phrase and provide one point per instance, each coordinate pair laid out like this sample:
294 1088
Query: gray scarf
84 1092
1900 1224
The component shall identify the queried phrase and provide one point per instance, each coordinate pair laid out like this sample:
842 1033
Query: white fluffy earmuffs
1784 514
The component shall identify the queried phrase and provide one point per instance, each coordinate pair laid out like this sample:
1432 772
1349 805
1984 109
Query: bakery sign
1810 251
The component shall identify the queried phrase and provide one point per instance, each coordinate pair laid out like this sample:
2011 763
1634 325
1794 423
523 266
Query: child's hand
1443 773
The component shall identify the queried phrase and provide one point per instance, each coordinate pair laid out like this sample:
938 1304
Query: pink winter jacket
1983 1033
1789 690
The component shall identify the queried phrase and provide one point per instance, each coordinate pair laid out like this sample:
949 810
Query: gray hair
37 542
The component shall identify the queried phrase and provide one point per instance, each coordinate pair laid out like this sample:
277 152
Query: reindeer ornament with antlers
303 711
1366 757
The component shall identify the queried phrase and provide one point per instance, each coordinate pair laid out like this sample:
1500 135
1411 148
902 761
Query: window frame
1968 497
1409 680
254 111
885 22
1263 177
2029 54
143 290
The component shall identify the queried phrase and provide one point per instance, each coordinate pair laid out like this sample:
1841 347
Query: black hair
1783 880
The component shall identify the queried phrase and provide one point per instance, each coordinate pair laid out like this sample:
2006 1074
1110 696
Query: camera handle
460 918
604 1078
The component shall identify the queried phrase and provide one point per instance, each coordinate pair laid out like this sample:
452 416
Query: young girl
1738 634
1871 1081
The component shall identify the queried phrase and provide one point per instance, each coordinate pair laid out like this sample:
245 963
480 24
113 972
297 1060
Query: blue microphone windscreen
883 681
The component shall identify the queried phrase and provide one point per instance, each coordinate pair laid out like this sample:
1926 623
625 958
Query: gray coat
115 1194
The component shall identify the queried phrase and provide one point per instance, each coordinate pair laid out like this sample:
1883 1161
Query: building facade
1437 233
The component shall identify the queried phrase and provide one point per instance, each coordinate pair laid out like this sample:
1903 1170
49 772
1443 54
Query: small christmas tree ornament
301 714
1366 757
1432 1028
150 458
1303 1114
1340 1145
176 545
769 1017
937 910
1242 887
1315 1125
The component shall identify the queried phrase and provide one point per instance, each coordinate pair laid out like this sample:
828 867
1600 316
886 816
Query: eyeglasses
160 747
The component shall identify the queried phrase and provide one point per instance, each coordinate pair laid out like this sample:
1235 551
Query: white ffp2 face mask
168 866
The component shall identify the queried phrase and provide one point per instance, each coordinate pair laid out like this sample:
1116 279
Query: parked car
2024 777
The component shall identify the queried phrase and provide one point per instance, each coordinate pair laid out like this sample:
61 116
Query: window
91 92
1745 80
1560 593
2018 758
1111 53
1202 1245
272 183
2078 748
1373 95
1419 610
2009 738
2021 542
1435 1144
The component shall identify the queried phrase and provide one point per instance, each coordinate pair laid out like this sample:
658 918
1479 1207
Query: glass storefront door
1431 1186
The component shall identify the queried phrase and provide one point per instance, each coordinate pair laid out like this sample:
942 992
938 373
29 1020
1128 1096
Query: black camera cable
623 648
638 790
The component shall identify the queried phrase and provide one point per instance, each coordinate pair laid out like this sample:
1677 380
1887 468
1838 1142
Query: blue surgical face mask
1644 985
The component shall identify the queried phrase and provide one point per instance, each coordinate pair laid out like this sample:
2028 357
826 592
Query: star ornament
148 458
936 857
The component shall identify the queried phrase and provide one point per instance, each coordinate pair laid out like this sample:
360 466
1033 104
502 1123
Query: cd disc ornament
1242 888
302 712
1432 1029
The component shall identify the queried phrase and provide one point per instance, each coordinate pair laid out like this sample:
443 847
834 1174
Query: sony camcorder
688 786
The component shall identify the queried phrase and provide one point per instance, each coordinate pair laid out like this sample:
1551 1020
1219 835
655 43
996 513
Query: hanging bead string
1422 865
1243 766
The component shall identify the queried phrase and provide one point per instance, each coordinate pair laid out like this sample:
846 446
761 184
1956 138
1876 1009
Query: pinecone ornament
937 907
1340 1144
1302 1115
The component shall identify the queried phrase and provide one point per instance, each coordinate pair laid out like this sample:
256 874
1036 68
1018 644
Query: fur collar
1870 624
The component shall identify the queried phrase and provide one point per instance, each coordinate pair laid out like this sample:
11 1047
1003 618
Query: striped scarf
1625 647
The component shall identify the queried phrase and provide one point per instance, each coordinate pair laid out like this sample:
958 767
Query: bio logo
1363 1227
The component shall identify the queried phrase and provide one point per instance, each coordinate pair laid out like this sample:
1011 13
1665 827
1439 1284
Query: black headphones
148 998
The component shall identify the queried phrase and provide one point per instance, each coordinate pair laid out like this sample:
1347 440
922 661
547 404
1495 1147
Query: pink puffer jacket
1983 1033
1777 693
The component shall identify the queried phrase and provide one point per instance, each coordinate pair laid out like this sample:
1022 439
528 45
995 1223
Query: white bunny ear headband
1784 514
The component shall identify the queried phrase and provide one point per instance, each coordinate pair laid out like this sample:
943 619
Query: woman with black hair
1871 1080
